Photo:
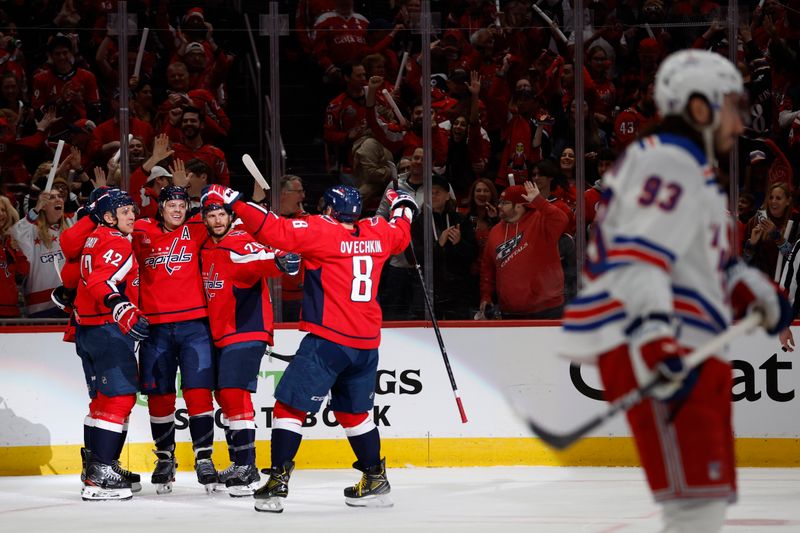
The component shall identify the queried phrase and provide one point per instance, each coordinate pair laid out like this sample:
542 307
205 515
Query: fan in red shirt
635 119
344 257
235 270
193 147
521 263
72 90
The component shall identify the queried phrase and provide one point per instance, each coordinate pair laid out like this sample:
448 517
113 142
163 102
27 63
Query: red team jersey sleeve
73 238
343 269
108 266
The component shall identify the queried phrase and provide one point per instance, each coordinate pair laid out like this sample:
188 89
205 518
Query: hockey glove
750 289
217 194
402 204
129 318
63 298
677 380
288 263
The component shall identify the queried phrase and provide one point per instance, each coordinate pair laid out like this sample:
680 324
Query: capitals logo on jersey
212 284
170 258
505 249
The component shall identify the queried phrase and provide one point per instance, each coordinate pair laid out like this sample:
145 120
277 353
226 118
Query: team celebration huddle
218 327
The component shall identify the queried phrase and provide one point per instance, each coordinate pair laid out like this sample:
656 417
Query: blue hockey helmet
344 201
173 192
110 201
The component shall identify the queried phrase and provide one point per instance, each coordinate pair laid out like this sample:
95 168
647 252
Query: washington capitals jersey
107 266
172 288
661 240
343 268
235 272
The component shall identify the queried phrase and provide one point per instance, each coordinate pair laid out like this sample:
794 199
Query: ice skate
86 456
104 484
243 481
269 497
225 475
133 478
164 474
206 474
373 489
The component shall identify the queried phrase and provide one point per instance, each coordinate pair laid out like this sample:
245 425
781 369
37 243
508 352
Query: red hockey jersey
235 272
172 288
107 266
343 268
78 88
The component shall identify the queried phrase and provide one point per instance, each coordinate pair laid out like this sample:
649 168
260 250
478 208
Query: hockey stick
252 168
274 355
561 441
439 336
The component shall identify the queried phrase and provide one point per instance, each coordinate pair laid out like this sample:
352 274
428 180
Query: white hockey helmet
695 72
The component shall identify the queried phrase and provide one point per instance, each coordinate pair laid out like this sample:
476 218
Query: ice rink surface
511 499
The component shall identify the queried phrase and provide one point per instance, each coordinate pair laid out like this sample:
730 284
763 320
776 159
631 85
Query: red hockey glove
217 194
402 204
129 318
750 289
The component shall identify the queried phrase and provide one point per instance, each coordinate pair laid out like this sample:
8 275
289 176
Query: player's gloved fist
402 200
288 263
217 194
63 298
751 290
129 318
663 356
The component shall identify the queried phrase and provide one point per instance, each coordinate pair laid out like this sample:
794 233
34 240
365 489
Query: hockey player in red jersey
108 324
343 258
235 270
172 297
662 279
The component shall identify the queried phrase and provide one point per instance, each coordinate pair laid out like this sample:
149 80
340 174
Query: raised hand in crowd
71 162
474 84
179 175
44 199
47 120
99 178
531 191
161 148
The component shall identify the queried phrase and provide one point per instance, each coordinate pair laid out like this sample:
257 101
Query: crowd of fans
503 118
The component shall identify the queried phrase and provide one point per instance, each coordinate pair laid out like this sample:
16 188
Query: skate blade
211 488
164 488
269 505
380 500
242 491
91 493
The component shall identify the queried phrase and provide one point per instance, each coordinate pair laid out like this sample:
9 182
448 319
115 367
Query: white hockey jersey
659 249
43 276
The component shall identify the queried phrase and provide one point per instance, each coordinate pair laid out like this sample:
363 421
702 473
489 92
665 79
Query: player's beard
219 234
190 132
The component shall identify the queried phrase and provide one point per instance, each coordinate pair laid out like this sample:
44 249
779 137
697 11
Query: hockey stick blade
281 357
561 441
252 168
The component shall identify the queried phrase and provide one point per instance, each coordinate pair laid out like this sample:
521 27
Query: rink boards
43 401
